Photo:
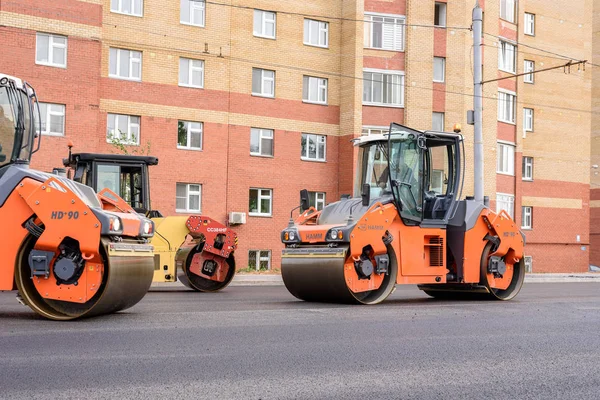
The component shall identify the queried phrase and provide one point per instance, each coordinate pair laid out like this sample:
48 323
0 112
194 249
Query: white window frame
529 25
133 58
319 139
263 24
260 197
119 7
262 134
192 66
188 193
260 258
130 125
528 263
322 84
47 117
51 46
320 199
190 131
374 130
527 168
506 199
505 158
507 10
372 81
507 56
526 217
433 121
443 7
507 98
528 118
264 79
321 27
397 30
528 66
437 63
194 5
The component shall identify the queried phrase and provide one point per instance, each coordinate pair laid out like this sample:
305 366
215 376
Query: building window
506 57
527 168
263 82
529 66
437 123
439 69
51 50
125 64
314 147
314 90
528 261
261 201
526 217
375 130
259 260
529 24
381 88
191 72
192 12
316 33
384 32
261 142
506 159
507 10
52 119
505 202
528 119
123 129
316 200
129 7
506 107
189 135
188 197
264 24
439 18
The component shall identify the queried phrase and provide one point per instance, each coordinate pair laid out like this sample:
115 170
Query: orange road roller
66 256
405 225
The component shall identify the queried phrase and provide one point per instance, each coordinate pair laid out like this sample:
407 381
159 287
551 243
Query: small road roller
65 254
195 249
406 224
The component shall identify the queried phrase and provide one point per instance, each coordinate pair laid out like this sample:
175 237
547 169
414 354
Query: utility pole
478 102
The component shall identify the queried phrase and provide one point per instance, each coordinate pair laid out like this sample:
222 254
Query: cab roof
400 130
112 158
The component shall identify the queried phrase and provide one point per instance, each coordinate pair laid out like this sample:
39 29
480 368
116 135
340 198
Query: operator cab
420 172
18 122
125 175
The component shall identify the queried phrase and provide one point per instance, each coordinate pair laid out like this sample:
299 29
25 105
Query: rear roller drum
516 282
125 281
201 283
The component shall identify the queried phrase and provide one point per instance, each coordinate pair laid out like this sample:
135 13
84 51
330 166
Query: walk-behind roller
67 257
405 225
197 250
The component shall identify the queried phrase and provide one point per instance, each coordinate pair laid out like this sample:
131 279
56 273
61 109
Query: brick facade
560 196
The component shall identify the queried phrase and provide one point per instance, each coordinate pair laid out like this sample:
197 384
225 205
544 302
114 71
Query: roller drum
183 260
127 278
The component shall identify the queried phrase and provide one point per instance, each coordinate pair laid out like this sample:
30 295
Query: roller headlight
336 235
290 236
147 228
115 224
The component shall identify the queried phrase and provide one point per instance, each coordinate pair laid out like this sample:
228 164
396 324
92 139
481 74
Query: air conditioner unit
236 218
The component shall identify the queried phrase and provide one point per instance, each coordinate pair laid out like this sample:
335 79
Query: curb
276 280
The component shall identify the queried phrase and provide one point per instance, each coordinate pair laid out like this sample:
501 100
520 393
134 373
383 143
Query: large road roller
66 256
194 249
406 224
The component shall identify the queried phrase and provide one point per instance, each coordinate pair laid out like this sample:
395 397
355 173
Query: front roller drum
203 272
317 275
126 279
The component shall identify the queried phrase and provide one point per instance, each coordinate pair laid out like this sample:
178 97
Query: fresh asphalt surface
258 342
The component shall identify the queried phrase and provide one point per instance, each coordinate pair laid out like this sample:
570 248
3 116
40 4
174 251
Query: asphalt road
260 343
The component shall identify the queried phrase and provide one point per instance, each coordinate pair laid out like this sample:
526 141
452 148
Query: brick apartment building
247 102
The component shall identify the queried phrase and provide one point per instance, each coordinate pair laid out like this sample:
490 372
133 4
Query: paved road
259 343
